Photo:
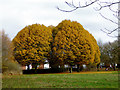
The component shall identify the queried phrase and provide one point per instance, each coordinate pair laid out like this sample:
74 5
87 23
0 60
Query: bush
91 67
39 71
11 68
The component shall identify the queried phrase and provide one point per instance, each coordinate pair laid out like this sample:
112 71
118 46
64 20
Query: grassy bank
75 80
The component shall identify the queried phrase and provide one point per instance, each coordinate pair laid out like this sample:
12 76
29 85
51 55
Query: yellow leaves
54 48
76 41
71 42
24 52
73 57
32 42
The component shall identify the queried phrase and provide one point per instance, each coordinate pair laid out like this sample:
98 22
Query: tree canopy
32 44
73 44
67 43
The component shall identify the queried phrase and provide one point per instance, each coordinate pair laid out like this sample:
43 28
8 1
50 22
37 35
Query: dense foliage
32 44
74 45
67 43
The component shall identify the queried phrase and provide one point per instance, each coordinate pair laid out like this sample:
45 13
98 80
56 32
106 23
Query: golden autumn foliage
32 44
74 45
67 43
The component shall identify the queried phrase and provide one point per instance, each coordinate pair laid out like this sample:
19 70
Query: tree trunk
70 69
78 67
81 67
28 67
62 67
114 66
98 67
36 67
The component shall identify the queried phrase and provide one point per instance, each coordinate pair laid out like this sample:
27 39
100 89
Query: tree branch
110 32
76 7
102 5
108 19
108 4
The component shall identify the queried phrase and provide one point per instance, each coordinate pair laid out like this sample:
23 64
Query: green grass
92 80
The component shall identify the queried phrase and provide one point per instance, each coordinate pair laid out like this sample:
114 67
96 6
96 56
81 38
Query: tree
105 54
74 45
6 50
109 53
32 44
111 4
51 58
6 47
114 49
8 63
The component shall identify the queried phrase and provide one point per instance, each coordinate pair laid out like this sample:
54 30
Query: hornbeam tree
74 45
32 44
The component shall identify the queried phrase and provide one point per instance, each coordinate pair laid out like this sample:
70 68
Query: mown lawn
75 80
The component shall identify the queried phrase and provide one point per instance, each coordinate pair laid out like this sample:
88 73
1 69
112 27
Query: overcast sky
16 14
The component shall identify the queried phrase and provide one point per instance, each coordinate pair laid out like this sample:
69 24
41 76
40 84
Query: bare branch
113 10
67 11
101 5
108 34
116 16
108 19
70 4
108 4
76 7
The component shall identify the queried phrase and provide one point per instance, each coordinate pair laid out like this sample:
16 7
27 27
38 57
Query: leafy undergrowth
74 80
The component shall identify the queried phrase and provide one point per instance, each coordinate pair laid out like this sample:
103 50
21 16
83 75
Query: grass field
107 79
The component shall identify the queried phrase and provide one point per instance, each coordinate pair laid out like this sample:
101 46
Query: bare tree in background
101 4
8 64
